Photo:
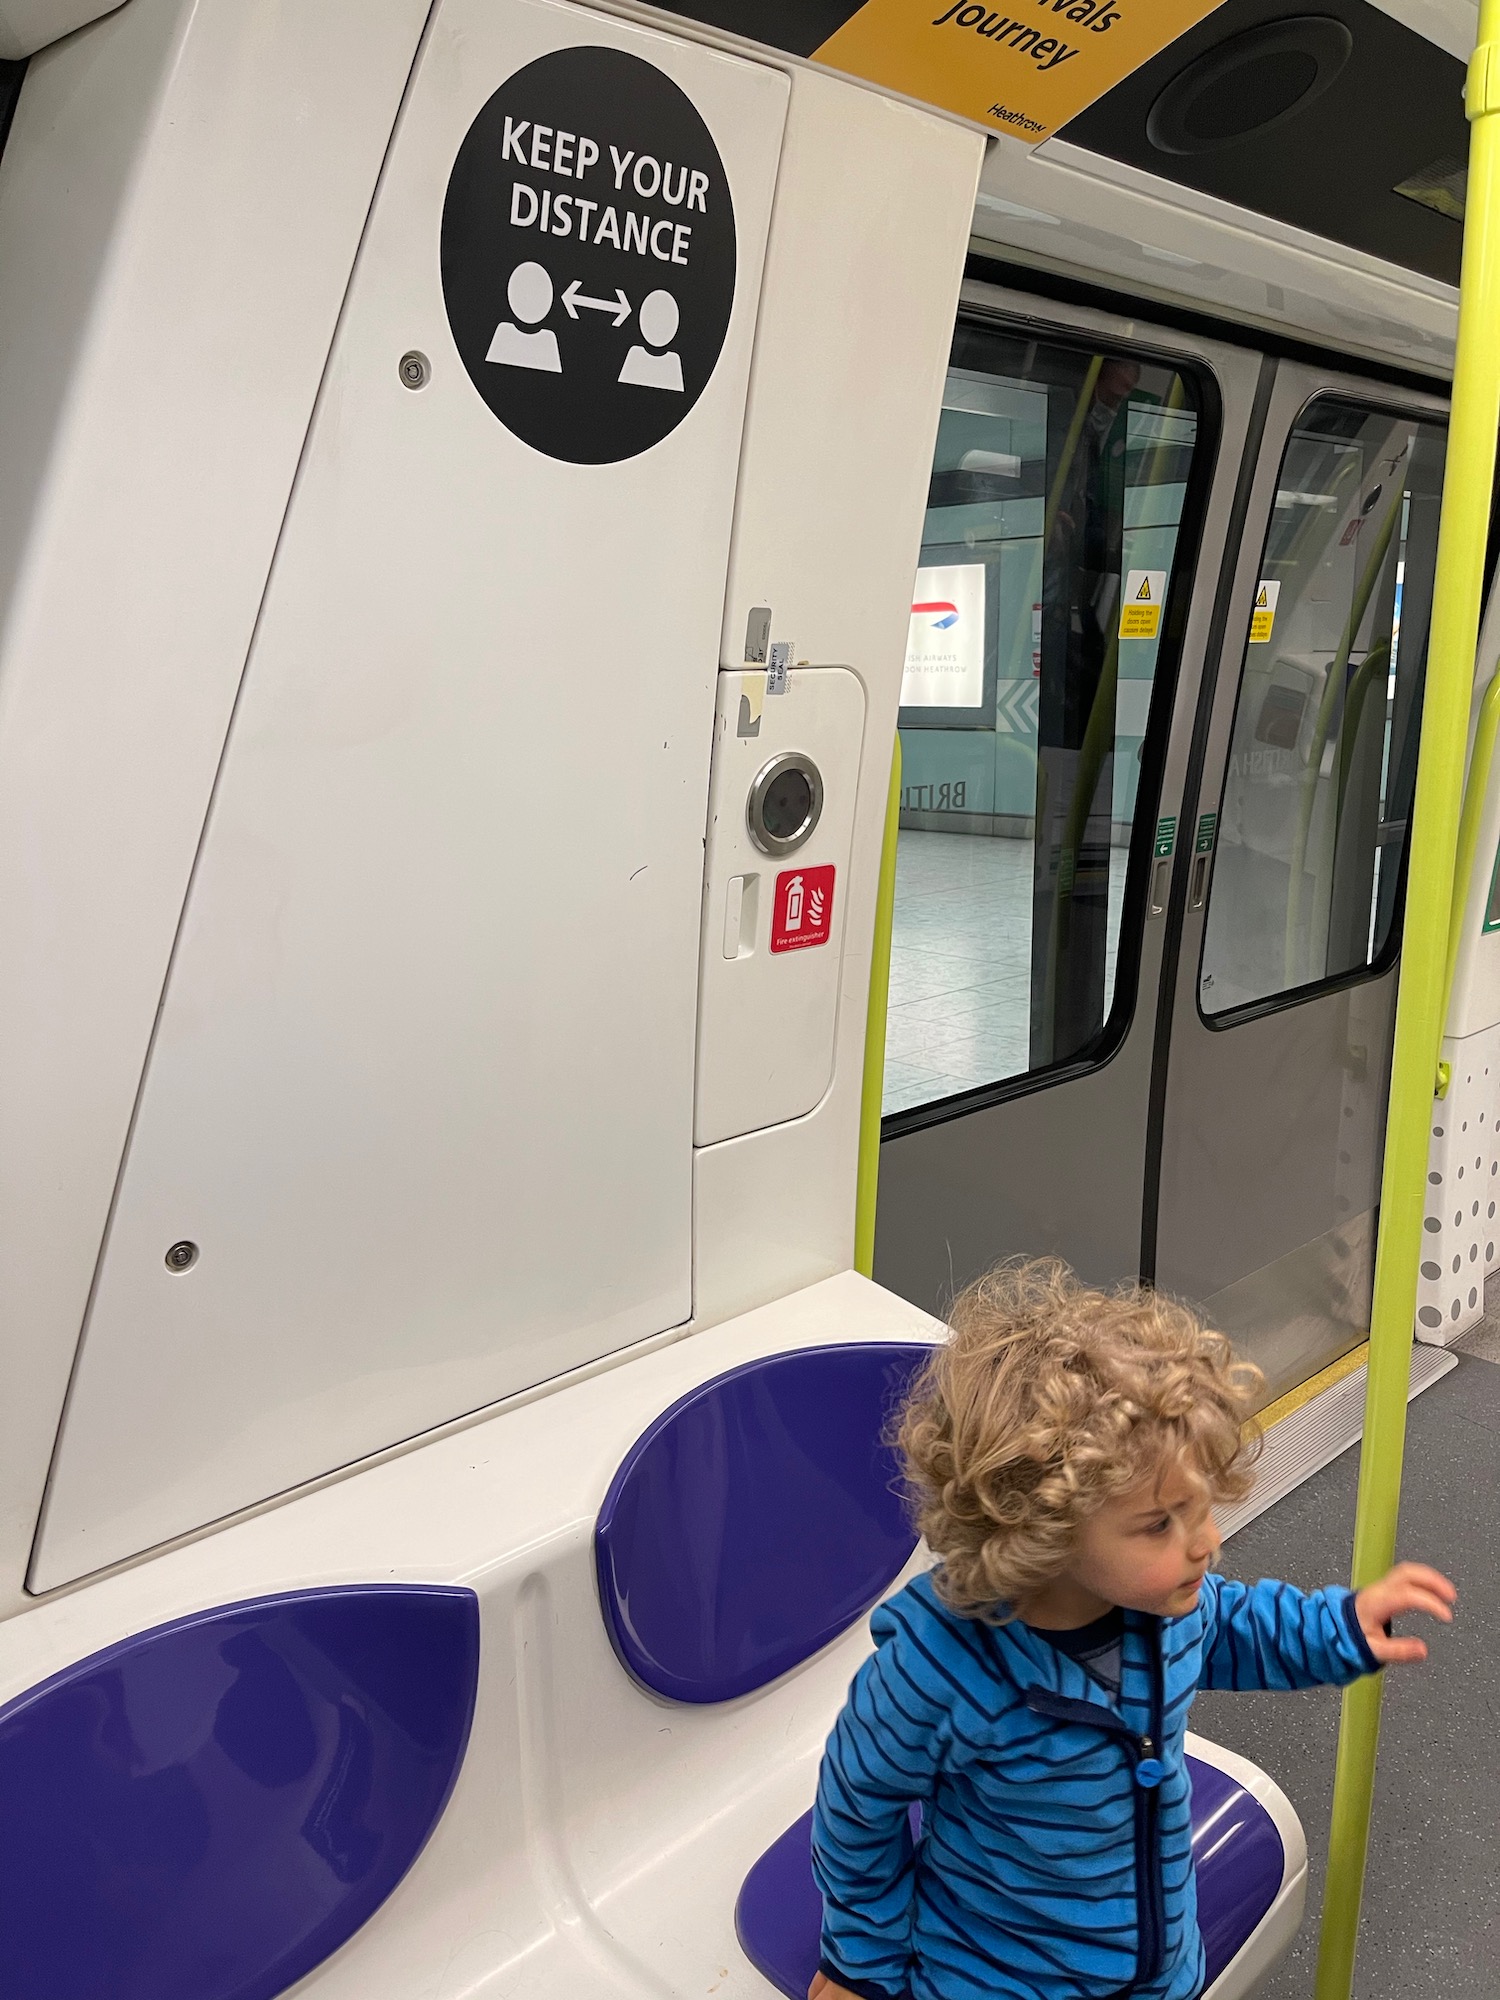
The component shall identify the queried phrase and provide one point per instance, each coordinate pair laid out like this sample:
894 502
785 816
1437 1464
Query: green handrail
1467 485
1333 687
1475 792
1081 407
1377 662
1098 737
872 1088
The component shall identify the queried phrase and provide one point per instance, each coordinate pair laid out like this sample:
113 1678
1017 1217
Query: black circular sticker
588 254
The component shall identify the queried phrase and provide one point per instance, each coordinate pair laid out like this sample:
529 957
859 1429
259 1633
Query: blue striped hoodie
1055 1861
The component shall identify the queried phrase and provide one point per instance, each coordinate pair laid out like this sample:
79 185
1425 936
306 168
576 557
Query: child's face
1147 1549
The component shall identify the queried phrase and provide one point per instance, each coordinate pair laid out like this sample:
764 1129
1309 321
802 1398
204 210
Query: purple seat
1237 1855
756 1520
208 1810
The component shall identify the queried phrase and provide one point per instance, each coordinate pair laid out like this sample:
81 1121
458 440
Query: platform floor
960 1002
1431 1924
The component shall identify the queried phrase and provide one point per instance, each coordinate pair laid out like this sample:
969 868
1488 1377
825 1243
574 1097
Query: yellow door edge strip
1326 1378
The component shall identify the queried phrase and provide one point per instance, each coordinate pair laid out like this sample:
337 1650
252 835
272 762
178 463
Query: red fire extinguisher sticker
802 914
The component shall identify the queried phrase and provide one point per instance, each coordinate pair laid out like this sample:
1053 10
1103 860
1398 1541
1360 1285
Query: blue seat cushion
756 1519
1237 1854
209 1809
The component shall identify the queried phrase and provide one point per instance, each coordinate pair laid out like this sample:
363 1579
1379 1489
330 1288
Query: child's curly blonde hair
1049 1399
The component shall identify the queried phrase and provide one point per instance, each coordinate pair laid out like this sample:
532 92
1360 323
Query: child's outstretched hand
1408 1587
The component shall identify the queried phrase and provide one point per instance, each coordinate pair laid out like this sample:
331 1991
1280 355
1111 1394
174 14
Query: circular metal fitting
785 803
182 1256
415 370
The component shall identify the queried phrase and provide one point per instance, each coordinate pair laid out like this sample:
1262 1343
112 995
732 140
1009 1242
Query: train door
1286 921
1153 822
1085 486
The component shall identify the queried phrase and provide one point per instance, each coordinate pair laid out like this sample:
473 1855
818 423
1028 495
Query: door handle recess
1199 884
1161 879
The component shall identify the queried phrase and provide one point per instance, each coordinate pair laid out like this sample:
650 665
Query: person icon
658 323
530 295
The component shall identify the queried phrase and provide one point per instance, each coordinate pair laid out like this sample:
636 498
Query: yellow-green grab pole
1481 759
1424 963
873 1088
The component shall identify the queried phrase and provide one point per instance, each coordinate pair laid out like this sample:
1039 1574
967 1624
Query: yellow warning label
1263 616
1141 602
1025 69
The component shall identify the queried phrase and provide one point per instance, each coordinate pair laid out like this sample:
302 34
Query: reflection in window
1038 613
1322 761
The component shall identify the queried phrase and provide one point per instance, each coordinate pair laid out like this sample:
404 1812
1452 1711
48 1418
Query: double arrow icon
573 298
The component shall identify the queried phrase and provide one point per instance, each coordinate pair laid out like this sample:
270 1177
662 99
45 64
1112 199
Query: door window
1322 761
1046 607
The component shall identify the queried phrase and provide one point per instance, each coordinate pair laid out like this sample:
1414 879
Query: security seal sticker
588 255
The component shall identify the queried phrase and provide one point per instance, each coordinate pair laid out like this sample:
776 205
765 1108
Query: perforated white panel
1461 1226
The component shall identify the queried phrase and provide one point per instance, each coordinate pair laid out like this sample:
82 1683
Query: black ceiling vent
1314 111
1249 84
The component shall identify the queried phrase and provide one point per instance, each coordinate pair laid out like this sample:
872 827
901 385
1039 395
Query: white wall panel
422 1090
29 25
1062 208
1460 1226
181 200
873 210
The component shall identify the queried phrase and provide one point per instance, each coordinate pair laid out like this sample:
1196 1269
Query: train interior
449 678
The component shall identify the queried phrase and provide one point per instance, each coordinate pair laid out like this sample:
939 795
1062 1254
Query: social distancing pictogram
588 254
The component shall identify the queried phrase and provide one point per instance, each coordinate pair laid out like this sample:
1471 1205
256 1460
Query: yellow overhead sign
1024 70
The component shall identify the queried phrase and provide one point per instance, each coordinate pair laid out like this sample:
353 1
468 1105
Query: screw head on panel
182 1256
415 370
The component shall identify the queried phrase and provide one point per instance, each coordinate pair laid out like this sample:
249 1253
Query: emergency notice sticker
1263 617
1140 607
802 913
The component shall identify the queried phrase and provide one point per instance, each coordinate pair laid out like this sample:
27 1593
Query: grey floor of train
1431 1919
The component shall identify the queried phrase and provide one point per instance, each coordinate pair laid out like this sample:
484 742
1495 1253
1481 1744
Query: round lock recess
785 803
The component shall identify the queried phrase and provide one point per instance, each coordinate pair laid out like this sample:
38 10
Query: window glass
1322 761
1039 615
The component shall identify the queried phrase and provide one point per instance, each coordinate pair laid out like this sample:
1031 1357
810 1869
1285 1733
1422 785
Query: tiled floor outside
961 963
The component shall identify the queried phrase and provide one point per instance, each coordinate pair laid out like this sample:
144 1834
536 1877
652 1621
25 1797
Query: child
1065 1449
